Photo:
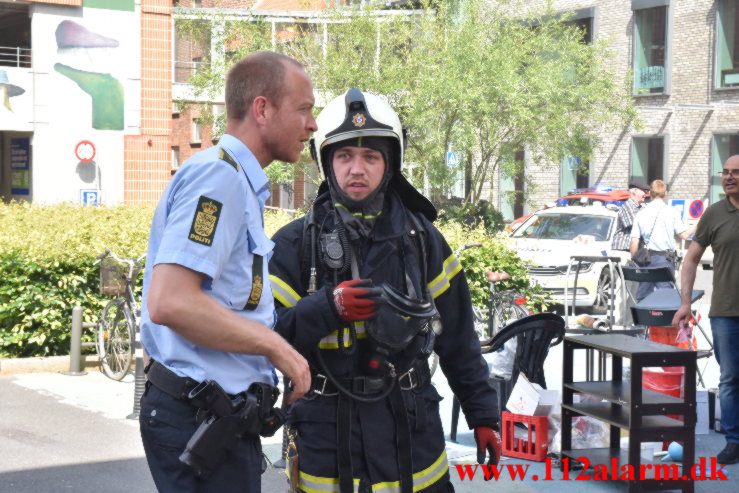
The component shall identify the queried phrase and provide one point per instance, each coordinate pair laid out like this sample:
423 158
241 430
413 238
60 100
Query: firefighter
366 287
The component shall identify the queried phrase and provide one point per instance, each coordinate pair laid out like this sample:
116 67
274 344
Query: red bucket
670 382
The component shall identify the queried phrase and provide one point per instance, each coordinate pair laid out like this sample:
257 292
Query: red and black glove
488 441
356 299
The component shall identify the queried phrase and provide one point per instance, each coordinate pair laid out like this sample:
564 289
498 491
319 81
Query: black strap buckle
319 386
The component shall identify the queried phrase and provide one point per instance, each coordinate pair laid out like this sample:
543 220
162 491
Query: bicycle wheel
114 339
506 312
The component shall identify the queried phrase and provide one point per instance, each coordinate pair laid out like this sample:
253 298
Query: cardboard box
530 399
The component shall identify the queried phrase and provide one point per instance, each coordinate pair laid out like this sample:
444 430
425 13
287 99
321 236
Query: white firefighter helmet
353 115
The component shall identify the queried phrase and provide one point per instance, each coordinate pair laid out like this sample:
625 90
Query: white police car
548 239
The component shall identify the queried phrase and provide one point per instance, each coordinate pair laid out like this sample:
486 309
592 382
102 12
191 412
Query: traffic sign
84 151
696 209
90 197
451 159
679 205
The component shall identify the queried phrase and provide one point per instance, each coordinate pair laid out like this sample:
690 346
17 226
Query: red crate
535 447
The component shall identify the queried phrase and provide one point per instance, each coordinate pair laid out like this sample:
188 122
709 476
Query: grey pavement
70 433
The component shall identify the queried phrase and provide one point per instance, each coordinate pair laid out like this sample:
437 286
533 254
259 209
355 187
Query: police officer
364 283
208 310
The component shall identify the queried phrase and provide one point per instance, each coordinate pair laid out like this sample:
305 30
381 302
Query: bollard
140 378
75 346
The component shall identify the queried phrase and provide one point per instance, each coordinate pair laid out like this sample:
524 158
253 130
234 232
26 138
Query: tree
470 76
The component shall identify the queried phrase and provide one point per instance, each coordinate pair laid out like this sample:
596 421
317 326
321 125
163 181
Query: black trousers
166 426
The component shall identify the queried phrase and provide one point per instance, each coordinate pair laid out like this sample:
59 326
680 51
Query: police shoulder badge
359 120
230 160
203 227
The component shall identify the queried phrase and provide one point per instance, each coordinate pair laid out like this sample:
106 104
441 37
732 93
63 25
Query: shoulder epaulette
230 160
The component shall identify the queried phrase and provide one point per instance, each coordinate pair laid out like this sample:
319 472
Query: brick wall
182 135
147 165
687 117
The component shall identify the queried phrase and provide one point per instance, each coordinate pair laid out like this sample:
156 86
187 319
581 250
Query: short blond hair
658 189
260 74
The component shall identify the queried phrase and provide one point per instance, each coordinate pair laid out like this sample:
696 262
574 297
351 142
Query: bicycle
503 307
116 330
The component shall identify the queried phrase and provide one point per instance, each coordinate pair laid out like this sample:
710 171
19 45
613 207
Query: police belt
172 384
415 378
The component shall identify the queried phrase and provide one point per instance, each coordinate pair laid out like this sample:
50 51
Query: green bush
470 215
495 254
47 254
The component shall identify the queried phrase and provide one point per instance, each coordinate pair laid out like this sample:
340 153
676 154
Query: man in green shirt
719 228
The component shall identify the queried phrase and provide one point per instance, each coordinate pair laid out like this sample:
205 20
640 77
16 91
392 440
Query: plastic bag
587 432
501 361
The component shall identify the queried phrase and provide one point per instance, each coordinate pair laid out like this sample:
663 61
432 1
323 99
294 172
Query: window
575 174
727 44
457 186
286 196
191 48
15 35
650 48
724 146
647 159
583 19
586 26
175 157
197 131
511 187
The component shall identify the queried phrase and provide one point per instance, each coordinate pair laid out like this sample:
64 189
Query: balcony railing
15 56
184 70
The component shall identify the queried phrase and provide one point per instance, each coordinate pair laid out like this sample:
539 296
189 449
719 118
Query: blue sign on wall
20 161
451 159
679 205
90 197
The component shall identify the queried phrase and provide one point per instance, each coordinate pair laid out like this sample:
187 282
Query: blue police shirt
210 220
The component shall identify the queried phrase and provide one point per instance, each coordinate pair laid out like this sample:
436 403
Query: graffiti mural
8 90
105 90
106 93
70 34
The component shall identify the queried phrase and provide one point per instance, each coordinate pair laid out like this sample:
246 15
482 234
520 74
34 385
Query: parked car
601 194
549 237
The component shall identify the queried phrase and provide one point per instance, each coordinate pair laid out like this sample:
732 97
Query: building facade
683 57
85 112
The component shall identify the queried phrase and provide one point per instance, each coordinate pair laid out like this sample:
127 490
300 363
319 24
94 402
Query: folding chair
658 307
536 334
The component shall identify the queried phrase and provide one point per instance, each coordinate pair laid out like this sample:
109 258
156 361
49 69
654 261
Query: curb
43 364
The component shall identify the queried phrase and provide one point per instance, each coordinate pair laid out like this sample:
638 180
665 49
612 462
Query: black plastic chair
659 306
536 334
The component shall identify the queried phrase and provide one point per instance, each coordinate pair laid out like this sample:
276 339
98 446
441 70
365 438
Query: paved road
63 433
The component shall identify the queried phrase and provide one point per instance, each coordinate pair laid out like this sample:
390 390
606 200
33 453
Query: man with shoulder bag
653 236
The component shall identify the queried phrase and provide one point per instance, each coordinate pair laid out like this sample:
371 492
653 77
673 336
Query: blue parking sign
90 197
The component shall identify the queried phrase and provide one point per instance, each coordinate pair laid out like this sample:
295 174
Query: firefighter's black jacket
311 321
